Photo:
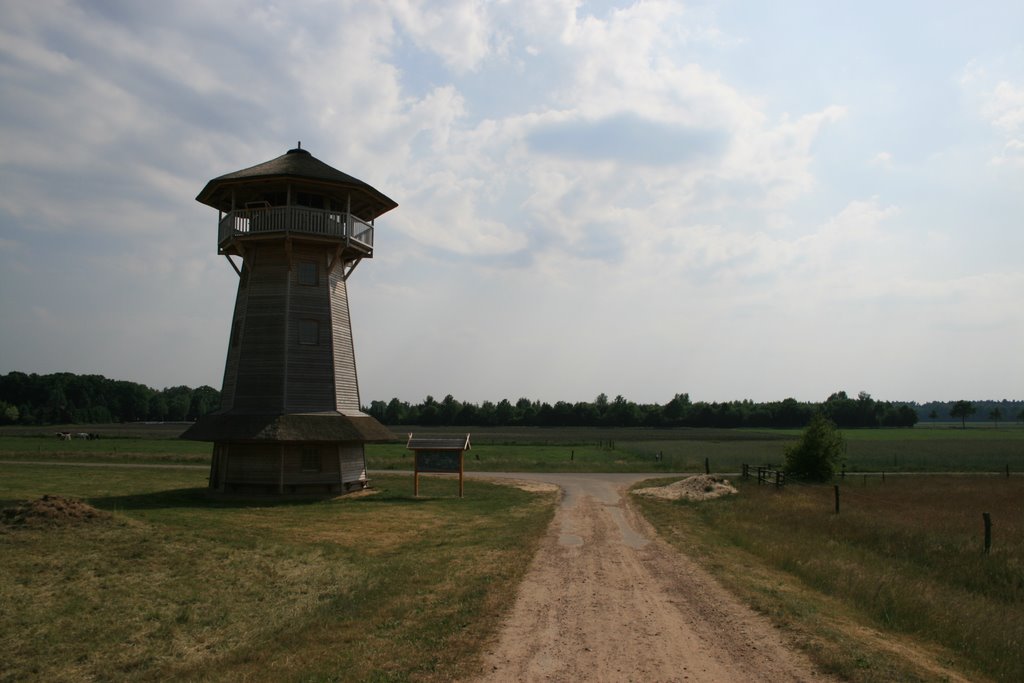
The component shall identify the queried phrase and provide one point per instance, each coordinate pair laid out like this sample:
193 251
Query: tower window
309 332
307 273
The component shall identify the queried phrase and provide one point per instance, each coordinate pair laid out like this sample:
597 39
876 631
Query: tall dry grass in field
905 554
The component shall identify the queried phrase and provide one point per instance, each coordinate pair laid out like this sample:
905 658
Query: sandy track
605 600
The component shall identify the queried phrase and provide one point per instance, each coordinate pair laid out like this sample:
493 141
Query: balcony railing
295 220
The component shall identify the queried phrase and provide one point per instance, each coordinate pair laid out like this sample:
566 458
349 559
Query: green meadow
173 584
931 448
176 586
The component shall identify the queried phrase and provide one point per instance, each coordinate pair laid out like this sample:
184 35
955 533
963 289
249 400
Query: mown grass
383 587
904 556
527 458
922 449
867 450
116 450
875 450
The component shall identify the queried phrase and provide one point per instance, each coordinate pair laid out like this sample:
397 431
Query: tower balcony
275 222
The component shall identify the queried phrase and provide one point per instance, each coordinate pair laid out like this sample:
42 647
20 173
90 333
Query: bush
815 456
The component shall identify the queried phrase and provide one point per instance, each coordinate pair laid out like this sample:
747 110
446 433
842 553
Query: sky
734 200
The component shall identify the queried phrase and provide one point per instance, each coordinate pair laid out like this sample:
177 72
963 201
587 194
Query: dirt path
605 600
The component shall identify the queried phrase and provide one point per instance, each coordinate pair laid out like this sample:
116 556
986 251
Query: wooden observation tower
290 418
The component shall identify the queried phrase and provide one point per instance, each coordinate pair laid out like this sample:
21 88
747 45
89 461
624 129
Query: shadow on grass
200 498
197 498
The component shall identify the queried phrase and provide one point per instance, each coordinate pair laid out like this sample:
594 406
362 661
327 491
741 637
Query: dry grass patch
178 586
900 571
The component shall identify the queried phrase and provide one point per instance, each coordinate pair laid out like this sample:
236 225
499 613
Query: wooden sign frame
438 454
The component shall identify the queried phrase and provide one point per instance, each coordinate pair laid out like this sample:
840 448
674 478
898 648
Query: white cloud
1000 102
882 159
599 194
1004 107
460 33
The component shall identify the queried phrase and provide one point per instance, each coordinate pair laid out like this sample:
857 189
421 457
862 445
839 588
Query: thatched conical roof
300 166
295 428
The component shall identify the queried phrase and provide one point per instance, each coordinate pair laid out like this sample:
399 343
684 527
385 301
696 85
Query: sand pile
697 487
51 511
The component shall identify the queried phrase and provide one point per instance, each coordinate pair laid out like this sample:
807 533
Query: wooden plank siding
352 460
270 467
346 381
269 370
252 464
261 364
310 381
235 333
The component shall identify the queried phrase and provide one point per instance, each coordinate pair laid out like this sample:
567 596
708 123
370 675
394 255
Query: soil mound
51 511
697 487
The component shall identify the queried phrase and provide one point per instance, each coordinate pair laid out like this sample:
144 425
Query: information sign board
439 461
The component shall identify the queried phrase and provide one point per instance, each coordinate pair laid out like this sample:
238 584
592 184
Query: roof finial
300 144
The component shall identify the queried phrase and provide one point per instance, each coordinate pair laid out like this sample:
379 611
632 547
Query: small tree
996 415
815 456
8 412
963 410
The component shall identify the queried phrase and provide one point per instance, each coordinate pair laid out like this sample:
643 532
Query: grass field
392 588
904 557
174 585
931 448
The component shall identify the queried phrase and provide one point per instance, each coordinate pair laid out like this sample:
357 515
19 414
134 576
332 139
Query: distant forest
67 398
862 411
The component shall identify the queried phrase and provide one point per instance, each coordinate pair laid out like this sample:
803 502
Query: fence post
707 466
987 518
836 487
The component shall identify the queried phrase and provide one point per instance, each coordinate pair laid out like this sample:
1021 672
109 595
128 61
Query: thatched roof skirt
302 167
322 427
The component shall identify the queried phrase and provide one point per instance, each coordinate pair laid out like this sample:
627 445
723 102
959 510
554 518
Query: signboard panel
439 461
436 454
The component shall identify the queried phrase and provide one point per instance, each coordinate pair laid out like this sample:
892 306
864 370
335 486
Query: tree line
67 398
680 411
972 411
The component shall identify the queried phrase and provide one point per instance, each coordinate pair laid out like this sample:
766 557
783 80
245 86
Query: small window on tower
310 460
307 273
309 332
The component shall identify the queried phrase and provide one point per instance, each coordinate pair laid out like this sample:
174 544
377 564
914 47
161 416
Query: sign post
438 454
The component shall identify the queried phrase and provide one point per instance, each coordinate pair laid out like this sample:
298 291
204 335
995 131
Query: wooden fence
766 474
